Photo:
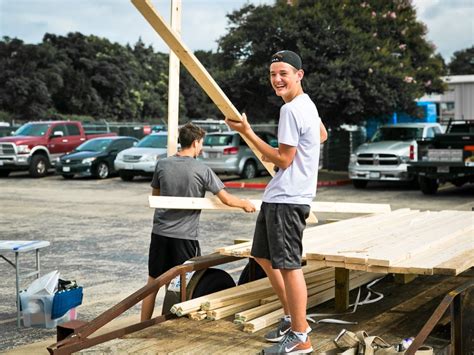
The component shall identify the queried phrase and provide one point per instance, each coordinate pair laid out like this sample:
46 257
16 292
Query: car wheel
360 184
68 176
39 166
126 175
4 173
249 171
428 186
101 171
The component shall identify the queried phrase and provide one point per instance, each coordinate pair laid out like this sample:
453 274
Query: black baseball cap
289 57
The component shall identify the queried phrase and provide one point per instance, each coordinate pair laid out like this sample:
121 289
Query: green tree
462 62
362 59
30 75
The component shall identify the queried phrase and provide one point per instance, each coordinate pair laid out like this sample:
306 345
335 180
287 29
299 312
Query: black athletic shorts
165 253
279 233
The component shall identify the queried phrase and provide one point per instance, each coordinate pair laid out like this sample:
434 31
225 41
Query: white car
387 155
141 159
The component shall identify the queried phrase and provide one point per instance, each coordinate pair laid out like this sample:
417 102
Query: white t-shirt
298 127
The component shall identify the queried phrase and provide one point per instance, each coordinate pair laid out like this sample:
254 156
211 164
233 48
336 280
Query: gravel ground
99 233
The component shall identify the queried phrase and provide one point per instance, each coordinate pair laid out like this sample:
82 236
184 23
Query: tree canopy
361 60
462 62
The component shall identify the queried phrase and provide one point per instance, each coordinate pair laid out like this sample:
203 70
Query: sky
450 22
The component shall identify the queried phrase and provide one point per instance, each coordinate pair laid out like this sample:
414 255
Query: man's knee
263 262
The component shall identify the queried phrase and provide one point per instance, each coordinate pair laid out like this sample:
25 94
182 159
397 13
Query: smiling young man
277 243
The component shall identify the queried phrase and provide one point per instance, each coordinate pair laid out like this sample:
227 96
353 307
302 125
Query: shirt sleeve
288 130
213 183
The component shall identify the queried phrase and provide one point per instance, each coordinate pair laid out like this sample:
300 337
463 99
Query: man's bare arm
233 201
323 133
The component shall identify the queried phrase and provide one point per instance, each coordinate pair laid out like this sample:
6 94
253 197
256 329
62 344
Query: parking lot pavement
99 232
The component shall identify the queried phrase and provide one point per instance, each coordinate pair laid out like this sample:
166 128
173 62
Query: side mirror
57 134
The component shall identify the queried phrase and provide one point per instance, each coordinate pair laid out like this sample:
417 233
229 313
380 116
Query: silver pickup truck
387 155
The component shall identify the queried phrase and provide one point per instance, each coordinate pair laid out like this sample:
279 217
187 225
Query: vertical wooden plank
456 325
341 289
173 82
403 279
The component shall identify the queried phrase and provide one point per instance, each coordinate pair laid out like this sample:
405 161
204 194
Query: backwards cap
288 57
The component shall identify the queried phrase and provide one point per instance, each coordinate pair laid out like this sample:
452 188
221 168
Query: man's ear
300 74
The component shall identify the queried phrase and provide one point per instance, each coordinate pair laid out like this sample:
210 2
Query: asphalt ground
99 232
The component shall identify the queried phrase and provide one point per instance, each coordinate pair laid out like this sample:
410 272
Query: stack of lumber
255 306
404 241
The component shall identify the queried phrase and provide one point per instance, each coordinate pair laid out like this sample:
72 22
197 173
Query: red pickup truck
36 145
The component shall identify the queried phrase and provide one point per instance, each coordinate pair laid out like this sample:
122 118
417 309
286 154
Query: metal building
457 102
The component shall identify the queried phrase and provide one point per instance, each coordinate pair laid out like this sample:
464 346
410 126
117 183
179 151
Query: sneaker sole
276 340
304 351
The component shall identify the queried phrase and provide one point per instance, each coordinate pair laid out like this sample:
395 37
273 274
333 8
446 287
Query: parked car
141 159
94 157
387 155
227 153
211 125
35 146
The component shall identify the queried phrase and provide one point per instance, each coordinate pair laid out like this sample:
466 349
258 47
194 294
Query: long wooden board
196 203
195 68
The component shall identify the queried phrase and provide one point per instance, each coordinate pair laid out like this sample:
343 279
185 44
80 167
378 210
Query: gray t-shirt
182 177
298 127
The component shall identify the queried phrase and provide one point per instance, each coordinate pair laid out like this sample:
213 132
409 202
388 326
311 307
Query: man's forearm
271 154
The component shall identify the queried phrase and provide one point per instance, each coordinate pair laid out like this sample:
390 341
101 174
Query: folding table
18 247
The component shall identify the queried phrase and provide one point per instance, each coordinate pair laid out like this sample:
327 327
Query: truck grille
131 158
377 159
7 149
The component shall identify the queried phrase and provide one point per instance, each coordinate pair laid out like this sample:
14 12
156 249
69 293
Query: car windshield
154 141
397 134
95 145
36 130
218 139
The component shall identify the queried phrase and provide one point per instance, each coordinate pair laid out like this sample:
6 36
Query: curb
255 185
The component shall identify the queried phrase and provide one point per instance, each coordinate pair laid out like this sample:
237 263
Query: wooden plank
314 300
420 238
229 310
356 250
456 264
341 289
403 279
346 234
173 82
195 68
201 203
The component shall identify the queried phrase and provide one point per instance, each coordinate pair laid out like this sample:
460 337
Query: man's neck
292 97
186 153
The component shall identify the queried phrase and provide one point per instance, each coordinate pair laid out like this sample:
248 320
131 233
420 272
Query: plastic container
36 311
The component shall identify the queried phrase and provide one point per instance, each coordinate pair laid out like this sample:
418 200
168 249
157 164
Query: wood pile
404 241
255 306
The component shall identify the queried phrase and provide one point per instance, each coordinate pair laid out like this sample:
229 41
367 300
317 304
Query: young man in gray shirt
277 243
174 237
